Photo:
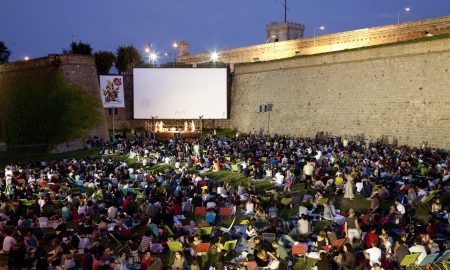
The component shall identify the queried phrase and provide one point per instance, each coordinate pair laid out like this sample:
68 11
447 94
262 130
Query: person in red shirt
176 209
147 260
371 237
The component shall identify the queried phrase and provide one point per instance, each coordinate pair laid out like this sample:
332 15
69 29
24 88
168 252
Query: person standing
348 194
308 171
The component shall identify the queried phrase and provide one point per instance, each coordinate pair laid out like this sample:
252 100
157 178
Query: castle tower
281 31
183 48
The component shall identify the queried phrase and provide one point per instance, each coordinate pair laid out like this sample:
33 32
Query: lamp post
321 28
153 57
406 10
175 47
148 51
214 57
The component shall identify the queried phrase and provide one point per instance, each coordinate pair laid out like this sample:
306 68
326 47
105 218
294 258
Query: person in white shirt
400 209
373 254
8 242
112 212
420 249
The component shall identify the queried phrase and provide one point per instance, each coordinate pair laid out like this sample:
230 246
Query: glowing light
147 50
175 45
322 27
153 57
26 58
214 56
407 9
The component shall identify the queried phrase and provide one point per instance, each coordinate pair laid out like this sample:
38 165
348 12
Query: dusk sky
36 28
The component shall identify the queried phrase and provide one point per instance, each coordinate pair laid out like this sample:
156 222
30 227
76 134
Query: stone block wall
327 43
399 93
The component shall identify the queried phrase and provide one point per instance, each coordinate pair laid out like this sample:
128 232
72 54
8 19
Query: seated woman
260 215
346 259
250 231
322 241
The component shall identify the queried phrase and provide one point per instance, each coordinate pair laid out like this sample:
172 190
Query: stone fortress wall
398 93
78 69
324 43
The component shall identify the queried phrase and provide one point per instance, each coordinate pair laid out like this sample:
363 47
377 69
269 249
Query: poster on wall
111 90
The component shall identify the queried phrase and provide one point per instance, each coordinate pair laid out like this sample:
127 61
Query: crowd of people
155 204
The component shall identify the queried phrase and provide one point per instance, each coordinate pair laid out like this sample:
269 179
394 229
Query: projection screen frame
225 114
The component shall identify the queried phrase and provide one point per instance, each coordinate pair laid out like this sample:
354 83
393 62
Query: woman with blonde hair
351 226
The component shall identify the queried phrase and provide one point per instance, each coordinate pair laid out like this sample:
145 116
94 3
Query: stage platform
178 134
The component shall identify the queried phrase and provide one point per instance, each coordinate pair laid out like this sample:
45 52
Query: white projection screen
180 93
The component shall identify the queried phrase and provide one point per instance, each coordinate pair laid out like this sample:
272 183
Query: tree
104 61
79 48
4 53
127 55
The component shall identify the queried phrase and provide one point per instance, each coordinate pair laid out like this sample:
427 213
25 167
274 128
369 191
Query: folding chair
206 231
322 201
269 237
229 246
169 231
119 245
442 262
174 246
429 259
234 168
417 200
202 248
226 212
227 230
286 201
299 250
409 260
336 245
427 200
199 211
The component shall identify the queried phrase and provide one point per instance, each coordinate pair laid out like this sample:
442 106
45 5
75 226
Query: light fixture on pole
175 47
214 56
26 58
321 28
153 57
405 10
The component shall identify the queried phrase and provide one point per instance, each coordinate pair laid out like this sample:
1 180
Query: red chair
200 211
335 245
299 250
226 212
202 248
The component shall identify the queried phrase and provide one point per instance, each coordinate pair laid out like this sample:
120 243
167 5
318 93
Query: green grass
14 158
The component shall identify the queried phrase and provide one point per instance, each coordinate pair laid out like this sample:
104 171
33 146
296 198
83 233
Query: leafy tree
79 48
104 61
4 53
45 108
127 55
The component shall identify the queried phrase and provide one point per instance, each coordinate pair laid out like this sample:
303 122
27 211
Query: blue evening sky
38 27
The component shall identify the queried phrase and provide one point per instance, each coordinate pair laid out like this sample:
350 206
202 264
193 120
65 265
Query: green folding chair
234 168
230 246
442 262
174 246
429 259
286 201
206 231
169 231
409 260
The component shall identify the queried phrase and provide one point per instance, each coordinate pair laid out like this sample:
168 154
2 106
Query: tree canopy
127 55
104 60
5 53
78 47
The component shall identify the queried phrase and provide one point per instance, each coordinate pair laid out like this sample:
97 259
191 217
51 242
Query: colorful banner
111 89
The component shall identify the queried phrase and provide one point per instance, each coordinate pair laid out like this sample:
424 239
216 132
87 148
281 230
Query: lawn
359 204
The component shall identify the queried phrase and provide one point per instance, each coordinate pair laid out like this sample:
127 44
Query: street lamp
26 58
267 41
153 57
214 56
175 47
321 28
406 10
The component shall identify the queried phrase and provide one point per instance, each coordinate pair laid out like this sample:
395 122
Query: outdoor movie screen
180 93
